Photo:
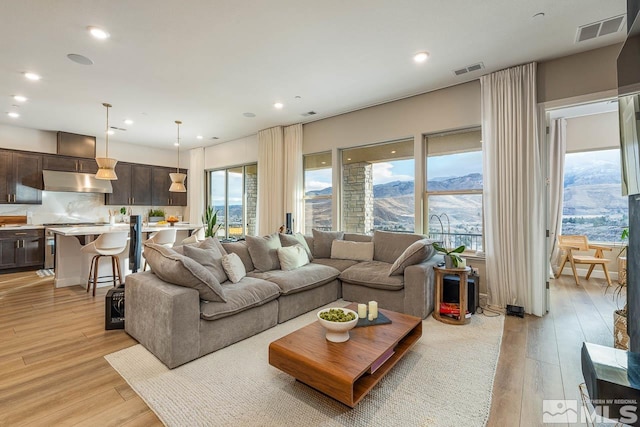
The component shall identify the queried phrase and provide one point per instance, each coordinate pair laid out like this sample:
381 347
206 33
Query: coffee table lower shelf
340 370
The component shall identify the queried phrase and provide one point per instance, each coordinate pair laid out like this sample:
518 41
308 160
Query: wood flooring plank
541 340
542 381
117 415
146 419
126 392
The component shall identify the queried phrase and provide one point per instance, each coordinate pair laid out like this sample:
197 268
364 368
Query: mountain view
593 205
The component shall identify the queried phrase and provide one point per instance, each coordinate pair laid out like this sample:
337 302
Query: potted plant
620 335
451 257
156 215
210 220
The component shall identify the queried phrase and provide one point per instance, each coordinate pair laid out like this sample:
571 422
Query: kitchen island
72 265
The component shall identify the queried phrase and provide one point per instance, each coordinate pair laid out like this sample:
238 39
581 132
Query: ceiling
207 62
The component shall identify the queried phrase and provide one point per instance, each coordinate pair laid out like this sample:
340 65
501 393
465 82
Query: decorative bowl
338 331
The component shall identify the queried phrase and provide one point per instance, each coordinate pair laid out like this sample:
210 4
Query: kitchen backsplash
77 207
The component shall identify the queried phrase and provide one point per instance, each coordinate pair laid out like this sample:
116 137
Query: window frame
304 185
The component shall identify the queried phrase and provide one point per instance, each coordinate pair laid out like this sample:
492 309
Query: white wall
232 153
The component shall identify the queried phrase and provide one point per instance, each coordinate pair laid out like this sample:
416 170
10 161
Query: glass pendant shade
106 165
177 178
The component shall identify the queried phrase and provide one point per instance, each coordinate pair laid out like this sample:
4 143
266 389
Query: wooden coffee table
341 370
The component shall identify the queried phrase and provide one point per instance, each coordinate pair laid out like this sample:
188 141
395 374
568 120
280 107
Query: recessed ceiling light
324 163
99 33
176 144
278 105
349 159
20 98
32 76
421 57
110 132
248 114
128 121
393 151
79 59
13 115
199 137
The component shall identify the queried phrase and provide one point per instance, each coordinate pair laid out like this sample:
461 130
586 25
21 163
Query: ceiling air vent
469 69
309 113
116 128
600 28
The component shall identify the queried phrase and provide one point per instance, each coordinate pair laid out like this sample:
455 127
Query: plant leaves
459 249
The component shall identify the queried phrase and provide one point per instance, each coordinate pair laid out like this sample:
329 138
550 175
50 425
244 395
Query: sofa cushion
355 237
264 251
416 253
372 274
241 296
208 255
292 257
388 246
338 264
234 267
180 270
322 242
357 251
296 239
242 250
306 277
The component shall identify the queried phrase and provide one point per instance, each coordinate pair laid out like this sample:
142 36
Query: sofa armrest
163 317
419 290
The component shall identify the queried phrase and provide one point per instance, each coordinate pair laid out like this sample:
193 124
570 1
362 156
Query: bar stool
106 245
196 236
163 237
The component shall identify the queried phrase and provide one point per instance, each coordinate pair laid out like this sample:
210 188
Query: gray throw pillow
322 241
295 239
388 246
180 270
264 251
242 250
209 257
416 253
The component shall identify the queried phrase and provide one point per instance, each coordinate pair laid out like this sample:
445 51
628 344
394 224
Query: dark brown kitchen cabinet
20 178
133 186
69 164
160 191
21 249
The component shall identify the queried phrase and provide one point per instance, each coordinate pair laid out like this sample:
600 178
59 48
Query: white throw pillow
356 251
292 257
234 267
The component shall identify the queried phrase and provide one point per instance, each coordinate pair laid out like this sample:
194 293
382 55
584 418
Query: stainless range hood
75 182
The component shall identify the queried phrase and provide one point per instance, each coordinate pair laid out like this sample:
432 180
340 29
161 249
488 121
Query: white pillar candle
370 317
362 311
373 309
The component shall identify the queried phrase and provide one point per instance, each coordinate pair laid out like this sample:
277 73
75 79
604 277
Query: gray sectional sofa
177 326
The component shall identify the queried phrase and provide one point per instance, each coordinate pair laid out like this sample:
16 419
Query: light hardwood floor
52 343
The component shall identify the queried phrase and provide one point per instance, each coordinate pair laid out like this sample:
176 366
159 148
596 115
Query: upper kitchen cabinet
160 191
69 164
133 186
20 178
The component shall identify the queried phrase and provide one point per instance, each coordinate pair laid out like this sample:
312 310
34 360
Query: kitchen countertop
100 229
10 227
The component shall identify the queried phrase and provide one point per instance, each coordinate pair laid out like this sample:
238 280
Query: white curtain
557 149
270 180
513 190
294 175
195 186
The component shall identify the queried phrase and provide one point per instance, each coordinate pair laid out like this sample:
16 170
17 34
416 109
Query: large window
453 211
592 200
317 192
233 192
378 188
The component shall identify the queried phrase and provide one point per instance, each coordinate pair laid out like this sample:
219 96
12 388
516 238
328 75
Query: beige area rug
445 380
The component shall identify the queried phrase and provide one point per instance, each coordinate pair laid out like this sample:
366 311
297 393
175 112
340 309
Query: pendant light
106 165
177 178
